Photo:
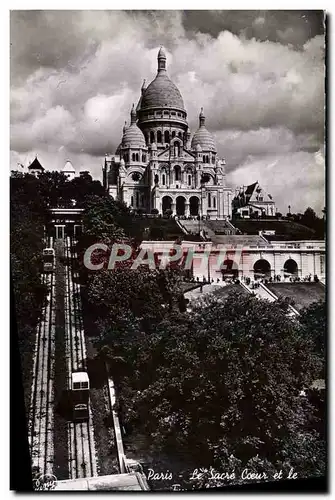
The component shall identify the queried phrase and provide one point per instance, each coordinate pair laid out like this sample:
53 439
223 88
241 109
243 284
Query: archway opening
166 203
180 205
177 173
229 269
262 269
194 205
291 267
166 136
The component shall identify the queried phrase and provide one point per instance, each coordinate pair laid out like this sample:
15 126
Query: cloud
75 75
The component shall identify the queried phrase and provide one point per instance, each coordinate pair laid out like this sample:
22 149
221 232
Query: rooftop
35 165
80 377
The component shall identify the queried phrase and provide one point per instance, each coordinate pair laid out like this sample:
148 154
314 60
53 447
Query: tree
82 187
141 292
28 213
222 381
314 322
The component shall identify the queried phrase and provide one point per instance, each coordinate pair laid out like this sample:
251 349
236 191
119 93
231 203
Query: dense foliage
311 220
221 381
31 198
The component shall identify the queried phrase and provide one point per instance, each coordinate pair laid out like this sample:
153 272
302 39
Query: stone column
187 209
173 208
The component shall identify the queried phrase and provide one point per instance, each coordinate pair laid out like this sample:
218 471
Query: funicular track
41 417
81 446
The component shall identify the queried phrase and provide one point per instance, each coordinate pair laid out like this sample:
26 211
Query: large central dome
162 92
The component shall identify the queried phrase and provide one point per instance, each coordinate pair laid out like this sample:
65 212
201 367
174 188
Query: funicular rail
82 455
41 416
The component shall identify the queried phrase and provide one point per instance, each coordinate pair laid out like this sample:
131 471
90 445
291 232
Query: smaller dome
202 136
68 167
133 136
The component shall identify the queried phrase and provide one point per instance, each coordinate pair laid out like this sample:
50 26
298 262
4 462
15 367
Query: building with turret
157 165
35 168
68 170
253 200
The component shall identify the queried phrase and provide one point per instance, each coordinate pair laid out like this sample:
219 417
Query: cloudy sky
258 74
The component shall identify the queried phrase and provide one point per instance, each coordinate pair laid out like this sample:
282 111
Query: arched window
137 157
159 136
189 180
166 136
177 173
173 134
132 201
143 158
180 135
142 200
213 159
146 138
156 179
214 202
133 157
163 179
152 137
209 200
137 199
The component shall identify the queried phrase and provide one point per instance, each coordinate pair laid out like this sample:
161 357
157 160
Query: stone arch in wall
262 269
291 267
163 177
166 203
194 205
180 205
166 136
177 173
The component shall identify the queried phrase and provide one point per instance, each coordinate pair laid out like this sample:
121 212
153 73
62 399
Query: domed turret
202 136
161 92
133 137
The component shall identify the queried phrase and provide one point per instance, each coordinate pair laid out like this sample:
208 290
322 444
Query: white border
4 197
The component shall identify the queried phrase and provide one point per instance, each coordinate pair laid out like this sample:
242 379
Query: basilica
158 167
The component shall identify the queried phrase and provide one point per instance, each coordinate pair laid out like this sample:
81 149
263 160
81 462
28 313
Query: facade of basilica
157 165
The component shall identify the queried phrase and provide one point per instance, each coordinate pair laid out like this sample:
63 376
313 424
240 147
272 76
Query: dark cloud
289 27
258 74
